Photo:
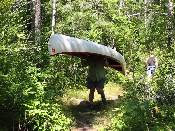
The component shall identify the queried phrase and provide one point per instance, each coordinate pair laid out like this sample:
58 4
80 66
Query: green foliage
144 109
148 105
29 88
47 116
27 91
32 83
164 82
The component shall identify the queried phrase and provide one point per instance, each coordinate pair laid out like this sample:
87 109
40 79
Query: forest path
96 118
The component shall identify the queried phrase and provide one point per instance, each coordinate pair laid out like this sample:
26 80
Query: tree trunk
53 15
145 13
170 23
30 19
37 21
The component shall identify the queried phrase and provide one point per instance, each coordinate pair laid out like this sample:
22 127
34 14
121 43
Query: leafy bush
25 94
148 105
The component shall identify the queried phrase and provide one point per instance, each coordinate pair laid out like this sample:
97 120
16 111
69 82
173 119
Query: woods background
32 83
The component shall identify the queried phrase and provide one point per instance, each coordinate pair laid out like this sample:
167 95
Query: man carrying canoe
96 77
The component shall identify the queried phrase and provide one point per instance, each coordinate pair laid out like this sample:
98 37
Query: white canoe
61 44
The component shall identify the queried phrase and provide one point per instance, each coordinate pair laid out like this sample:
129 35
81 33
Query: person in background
96 76
152 64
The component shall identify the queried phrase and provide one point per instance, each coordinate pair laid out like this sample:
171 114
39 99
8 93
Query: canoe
62 44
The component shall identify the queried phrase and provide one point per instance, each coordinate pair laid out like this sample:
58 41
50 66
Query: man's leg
99 88
101 92
91 95
91 87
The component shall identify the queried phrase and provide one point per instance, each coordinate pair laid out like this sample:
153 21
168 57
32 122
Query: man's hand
106 61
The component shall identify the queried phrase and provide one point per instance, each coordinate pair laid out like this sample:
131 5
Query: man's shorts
95 84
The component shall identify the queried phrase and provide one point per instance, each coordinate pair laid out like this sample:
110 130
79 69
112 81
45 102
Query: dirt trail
97 117
91 119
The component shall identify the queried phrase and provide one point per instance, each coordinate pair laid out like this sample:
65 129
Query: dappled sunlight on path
92 118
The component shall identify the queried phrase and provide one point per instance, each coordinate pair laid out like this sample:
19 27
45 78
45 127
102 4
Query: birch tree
53 14
37 8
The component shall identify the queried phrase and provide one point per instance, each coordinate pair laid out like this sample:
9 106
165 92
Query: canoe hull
61 44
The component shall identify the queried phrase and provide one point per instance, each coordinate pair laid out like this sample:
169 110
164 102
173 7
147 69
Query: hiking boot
90 105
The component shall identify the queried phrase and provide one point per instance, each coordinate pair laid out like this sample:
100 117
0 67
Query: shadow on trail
85 115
